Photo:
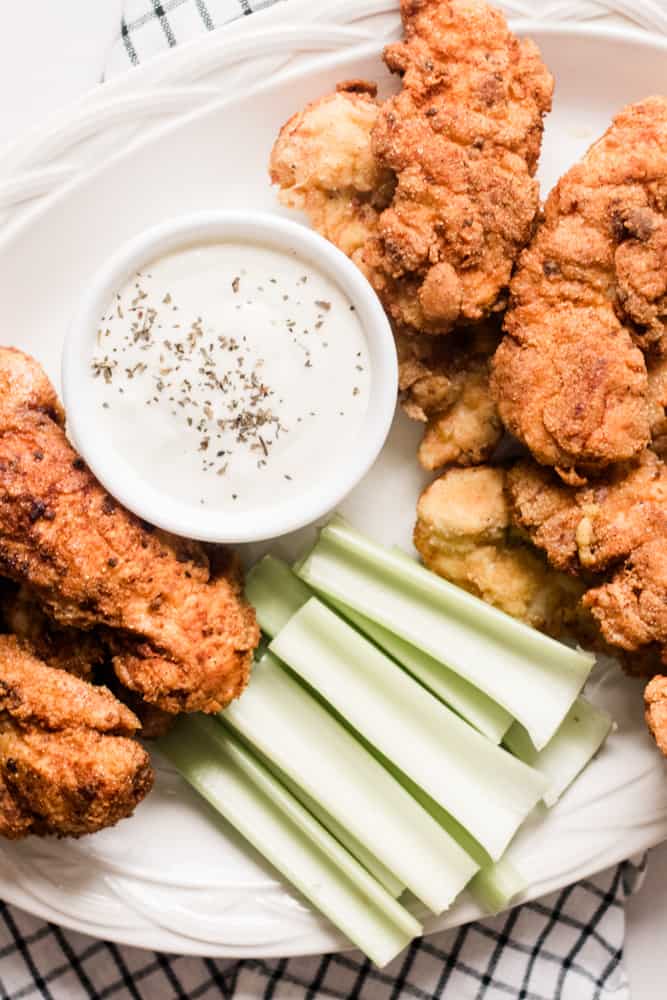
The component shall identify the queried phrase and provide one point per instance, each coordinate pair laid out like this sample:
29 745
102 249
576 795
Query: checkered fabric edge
567 946
148 26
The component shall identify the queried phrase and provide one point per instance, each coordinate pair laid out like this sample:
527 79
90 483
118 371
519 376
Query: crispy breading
593 527
611 533
180 638
587 300
631 608
431 193
155 722
464 533
655 702
58 646
641 267
25 387
323 162
82 653
68 765
576 398
462 137
444 382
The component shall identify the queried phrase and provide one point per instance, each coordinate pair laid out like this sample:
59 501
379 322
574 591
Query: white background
50 52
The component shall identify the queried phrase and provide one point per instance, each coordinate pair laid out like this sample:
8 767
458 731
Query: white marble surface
52 52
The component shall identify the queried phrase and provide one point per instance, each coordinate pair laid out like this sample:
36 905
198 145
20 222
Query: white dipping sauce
231 375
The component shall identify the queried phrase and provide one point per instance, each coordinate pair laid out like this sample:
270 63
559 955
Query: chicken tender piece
323 162
444 382
463 138
655 701
77 652
463 533
577 399
25 387
180 638
443 385
83 654
612 534
67 763
590 528
432 193
631 608
588 300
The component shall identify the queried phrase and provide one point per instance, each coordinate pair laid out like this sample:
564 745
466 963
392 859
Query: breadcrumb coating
464 533
181 637
463 138
589 301
68 764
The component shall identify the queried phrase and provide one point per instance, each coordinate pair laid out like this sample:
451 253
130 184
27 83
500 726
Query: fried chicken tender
68 765
83 654
445 385
594 527
588 299
655 702
324 164
444 382
464 533
631 608
612 533
462 137
69 649
432 193
180 637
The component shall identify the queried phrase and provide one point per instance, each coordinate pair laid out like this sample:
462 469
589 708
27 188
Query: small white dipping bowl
137 493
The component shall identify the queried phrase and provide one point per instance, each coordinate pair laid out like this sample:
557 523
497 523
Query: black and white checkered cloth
567 946
150 26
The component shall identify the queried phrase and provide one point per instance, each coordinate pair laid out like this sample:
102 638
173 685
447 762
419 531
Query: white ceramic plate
175 137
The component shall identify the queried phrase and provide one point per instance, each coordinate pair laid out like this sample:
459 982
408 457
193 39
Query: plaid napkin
567 946
148 26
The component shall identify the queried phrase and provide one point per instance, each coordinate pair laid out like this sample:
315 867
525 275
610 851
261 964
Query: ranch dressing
231 375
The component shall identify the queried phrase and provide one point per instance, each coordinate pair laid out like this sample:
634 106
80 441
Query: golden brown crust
464 533
655 701
323 163
444 382
26 387
83 654
155 722
69 649
631 608
593 527
34 694
67 763
182 639
612 533
462 137
588 299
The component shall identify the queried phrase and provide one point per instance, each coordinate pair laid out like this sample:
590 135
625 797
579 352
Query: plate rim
20 150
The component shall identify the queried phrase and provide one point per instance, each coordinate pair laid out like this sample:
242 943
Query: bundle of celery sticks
394 736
